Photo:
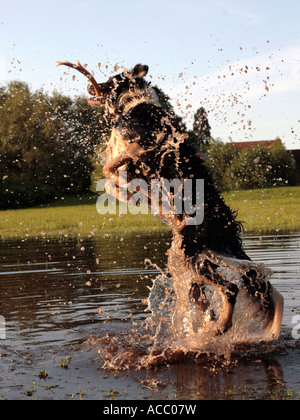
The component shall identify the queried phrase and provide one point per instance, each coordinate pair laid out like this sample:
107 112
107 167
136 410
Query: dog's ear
139 71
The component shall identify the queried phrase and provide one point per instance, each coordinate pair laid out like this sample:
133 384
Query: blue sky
240 59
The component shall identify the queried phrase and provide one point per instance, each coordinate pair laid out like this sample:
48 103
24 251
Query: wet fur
147 141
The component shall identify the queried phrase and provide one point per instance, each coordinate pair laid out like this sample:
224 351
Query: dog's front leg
227 291
132 153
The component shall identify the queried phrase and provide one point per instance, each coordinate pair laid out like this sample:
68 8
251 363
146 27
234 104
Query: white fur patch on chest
115 146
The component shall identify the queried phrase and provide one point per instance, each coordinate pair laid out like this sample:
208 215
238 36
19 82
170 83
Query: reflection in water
47 288
61 299
197 381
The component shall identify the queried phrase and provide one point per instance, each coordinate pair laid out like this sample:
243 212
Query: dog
148 142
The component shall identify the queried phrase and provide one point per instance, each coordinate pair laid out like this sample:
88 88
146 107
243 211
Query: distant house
248 144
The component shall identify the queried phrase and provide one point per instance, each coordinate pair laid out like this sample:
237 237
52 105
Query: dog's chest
116 145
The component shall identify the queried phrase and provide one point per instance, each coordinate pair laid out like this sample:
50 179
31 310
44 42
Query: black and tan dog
149 143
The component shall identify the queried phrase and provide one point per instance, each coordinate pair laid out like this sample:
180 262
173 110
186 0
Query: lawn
265 210
70 218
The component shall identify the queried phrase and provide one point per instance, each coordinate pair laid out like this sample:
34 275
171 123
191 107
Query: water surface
66 304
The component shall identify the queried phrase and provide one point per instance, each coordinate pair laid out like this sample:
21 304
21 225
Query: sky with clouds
240 59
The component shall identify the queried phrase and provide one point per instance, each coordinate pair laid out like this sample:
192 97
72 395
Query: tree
46 145
283 169
259 167
220 157
201 128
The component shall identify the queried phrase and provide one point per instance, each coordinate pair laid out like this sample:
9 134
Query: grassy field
265 210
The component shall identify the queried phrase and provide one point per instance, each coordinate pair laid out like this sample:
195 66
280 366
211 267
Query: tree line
260 166
49 145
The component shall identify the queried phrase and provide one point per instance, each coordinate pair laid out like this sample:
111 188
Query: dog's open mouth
94 89
96 101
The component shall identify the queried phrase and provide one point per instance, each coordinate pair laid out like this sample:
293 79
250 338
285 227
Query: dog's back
175 156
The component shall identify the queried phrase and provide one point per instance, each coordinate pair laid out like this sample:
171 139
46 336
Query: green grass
70 218
261 210
267 210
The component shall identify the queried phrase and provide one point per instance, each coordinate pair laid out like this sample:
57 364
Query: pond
68 306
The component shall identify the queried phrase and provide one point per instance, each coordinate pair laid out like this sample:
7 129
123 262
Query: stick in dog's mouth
83 70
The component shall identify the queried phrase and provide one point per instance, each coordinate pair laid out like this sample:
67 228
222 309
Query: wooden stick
84 71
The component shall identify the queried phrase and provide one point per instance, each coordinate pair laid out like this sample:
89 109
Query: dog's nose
91 90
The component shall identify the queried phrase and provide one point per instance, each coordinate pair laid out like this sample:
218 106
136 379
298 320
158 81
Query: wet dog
149 143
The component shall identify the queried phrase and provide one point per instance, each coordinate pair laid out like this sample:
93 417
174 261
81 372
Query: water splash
192 307
178 330
182 323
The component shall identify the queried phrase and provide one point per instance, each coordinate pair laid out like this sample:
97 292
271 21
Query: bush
258 167
46 145
220 158
17 194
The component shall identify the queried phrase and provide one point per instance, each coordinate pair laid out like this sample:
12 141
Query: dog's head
117 87
111 92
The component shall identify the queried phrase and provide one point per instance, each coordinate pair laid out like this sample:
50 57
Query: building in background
248 144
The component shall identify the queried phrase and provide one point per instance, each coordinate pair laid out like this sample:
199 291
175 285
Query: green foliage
15 193
220 158
233 169
263 210
42 374
97 173
46 145
258 167
64 363
50 144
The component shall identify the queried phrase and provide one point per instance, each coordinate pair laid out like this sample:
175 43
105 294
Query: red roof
248 144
